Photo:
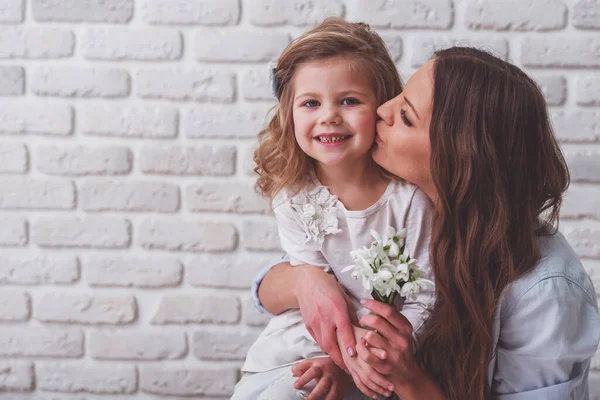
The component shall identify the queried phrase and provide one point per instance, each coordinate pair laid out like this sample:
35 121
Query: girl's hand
366 379
389 351
332 382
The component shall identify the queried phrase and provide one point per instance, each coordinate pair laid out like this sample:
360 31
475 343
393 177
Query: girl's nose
330 116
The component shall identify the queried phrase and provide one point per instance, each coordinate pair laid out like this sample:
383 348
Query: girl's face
402 143
334 112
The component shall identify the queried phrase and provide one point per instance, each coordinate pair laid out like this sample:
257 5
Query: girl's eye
311 103
403 117
350 101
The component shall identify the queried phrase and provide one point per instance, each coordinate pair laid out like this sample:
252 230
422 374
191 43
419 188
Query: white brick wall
130 232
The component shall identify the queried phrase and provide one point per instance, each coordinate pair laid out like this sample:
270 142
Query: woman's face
402 142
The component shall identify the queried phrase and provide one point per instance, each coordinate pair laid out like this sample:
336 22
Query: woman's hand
389 351
332 382
366 379
327 312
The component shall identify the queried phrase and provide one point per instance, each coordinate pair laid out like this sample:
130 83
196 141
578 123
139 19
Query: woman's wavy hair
500 176
280 162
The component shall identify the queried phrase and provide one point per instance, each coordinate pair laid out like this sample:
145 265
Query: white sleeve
293 238
546 343
418 235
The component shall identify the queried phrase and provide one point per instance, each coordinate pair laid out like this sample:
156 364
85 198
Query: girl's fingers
374 381
321 389
334 393
312 373
389 313
375 364
301 367
376 344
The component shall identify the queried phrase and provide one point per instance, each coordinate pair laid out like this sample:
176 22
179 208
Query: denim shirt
546 329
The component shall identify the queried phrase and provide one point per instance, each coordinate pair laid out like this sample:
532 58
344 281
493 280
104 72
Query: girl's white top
315 228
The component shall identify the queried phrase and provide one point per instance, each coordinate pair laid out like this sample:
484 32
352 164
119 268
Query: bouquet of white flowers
385 268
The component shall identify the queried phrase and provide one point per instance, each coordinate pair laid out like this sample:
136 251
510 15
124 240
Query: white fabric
286 340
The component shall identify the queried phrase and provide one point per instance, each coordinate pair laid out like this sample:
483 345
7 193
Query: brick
132 271
130 122
394 43
235 271
187 160
197 309
79 82
16 376
12 11
36 43
233 197
28 269
129 196
239 45
187 236
14 306
84 160
75 378
141 44
170 381
217 344
587 90
209 86
581 201
563 51
516 15
296 12
255 84
14 158
250 314
585 14
46 119
246 160
137 346
36 194
554 88
584 165
577 126
40 341
87 232
583 236
185 12
402 14
13 232
260 235
224 121
12 80
423 47
83 308
111 11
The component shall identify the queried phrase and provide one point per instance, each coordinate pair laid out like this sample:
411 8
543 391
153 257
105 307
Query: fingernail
363 301
351 351
387 394
391 387
346 371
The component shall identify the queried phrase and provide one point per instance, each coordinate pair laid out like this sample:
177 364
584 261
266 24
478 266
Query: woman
515 314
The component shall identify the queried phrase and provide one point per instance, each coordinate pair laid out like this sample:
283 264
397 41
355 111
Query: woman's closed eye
404 118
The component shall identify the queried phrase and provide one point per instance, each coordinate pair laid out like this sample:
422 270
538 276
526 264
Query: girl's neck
357 185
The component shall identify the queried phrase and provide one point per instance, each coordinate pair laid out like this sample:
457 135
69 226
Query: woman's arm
546 340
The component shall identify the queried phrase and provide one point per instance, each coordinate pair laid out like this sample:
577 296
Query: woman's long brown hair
500 176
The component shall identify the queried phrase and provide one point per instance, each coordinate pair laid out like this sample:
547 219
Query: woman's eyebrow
413 107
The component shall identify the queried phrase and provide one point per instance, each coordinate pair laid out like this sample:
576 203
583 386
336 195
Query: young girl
314 164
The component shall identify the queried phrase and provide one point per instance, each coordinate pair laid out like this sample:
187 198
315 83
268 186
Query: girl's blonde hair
280 162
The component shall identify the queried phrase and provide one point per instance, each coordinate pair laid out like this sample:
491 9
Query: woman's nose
385 112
